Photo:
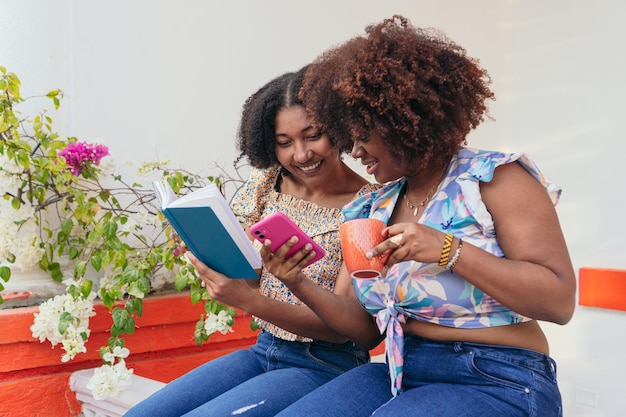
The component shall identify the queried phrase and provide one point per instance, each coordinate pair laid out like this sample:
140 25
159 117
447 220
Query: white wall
163 79
567 110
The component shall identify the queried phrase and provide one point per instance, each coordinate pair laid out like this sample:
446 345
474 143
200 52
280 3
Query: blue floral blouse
427 292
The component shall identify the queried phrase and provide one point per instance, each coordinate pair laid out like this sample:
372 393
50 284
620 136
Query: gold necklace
429 195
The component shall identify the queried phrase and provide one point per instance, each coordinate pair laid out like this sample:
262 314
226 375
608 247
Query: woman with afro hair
476 255
297 170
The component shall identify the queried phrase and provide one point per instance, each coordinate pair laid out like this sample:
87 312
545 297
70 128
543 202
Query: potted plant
62 202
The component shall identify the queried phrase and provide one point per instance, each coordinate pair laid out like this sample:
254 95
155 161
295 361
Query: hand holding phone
279 228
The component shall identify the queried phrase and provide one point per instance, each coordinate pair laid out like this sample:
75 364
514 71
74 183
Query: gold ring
396 239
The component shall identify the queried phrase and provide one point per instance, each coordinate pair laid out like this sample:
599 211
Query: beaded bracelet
445 250
455 258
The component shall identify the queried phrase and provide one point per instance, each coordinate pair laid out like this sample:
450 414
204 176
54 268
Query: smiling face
306 153
375 155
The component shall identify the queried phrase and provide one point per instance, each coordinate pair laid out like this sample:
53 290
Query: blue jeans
261 381
453 379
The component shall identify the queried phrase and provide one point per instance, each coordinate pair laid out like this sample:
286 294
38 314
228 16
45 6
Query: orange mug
357 237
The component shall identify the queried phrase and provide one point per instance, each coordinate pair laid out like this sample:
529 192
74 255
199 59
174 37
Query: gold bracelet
455 258
445 250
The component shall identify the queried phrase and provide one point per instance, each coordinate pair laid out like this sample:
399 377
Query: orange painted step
167 323
39 396
602 288
34 382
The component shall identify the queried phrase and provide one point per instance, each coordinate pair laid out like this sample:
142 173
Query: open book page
164 193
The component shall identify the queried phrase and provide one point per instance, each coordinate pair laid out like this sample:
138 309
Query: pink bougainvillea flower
178 251
79 155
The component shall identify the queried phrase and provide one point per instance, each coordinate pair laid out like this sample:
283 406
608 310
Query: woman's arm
536 278
338 309
298 319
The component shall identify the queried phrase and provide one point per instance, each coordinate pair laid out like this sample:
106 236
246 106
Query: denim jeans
258 382
453 379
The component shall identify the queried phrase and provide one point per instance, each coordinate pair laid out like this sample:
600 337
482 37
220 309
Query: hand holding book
206 224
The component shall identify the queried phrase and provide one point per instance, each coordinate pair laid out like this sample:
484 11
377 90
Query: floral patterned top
427 292
259 198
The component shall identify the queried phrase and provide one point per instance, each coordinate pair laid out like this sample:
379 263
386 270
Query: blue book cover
210 230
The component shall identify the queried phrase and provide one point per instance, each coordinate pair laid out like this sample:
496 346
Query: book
209 228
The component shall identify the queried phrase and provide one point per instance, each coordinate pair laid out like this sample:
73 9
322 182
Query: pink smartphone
279 228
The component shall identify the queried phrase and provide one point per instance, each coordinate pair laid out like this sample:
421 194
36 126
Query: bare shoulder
514 188
524 216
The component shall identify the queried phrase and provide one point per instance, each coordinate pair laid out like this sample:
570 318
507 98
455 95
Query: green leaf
5 273
200 333
74 292
116 331
85 288
93 236
106 258
107 299
66 226
130 326
73 252
122 322
211 307
96 262
55 271
80 268
57 275
135 290
53 93
110 229
144 284
135 306
130 306
196 294
180 282
120 319
65 320
114 342
139 308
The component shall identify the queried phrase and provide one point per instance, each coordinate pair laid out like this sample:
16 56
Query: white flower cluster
19 232
139 221
147 168
46 323
19 236
220 322
9 180
107 282
112 378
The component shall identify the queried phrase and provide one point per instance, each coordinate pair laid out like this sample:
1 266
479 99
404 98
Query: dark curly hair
415 86
256 136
